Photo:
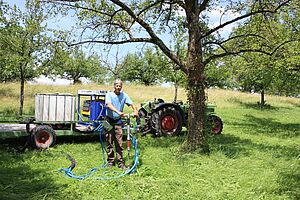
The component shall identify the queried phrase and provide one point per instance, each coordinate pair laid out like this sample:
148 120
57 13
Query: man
115 102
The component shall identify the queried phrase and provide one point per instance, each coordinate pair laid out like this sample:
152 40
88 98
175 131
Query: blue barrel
97 110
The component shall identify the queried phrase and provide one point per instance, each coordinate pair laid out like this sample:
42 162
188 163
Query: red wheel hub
43 138
168 123
216 126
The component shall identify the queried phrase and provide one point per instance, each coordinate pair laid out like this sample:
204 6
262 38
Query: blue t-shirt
118 101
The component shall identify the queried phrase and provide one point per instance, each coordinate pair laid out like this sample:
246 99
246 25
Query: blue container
97 110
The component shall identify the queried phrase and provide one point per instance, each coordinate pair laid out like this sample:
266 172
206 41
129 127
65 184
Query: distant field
256 157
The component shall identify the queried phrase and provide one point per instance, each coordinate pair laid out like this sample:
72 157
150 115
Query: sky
65 23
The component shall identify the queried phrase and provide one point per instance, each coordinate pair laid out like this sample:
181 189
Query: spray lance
128 139
137 126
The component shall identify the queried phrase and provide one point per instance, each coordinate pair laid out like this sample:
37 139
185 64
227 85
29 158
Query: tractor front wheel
167 121
216 124
43 137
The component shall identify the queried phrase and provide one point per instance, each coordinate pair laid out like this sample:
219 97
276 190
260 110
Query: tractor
167 119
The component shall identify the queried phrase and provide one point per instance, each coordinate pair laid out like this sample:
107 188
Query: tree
143 67
73 64
218 75
286 79
254 73
273 72
22 44
119 22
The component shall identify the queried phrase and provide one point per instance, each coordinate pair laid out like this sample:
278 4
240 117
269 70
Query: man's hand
135 114
112 108
121 114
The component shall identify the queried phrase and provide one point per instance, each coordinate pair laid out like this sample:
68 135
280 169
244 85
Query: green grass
256 157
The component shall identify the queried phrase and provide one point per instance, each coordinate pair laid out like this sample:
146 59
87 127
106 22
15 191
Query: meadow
257 156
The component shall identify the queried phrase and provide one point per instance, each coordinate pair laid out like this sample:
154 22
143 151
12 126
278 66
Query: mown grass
256 157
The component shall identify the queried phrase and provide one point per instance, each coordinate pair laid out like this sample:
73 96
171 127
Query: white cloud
42 80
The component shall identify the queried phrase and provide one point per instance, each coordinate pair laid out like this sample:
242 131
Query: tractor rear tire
43 137
216 124
166 121
142 113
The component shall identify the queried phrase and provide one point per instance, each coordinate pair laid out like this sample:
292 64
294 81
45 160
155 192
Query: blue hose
68 171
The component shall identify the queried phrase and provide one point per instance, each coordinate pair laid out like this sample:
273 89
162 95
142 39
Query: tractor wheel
166 121
216 124
147 128
43 137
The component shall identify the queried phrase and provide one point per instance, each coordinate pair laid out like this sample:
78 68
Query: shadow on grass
163 142
231 146
15 144
234 147
19 181
289 183
255 105
79 139
268 126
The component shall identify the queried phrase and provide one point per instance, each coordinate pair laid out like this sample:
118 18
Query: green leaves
267 45
145 67
23 41
73 64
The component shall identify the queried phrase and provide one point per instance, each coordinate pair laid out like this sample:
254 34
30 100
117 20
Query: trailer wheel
43 137
167 121
216 124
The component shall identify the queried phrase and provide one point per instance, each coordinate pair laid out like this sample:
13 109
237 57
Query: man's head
118 86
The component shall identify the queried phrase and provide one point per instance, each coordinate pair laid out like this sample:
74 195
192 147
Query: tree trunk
196 88
76 81
262 98
21 94
196 98
176 91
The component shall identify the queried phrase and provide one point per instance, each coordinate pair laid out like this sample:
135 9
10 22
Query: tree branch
154 38
226 53
60 2
232 38
203 5
243 17
132 40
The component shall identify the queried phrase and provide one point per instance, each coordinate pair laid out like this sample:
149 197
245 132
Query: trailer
58 114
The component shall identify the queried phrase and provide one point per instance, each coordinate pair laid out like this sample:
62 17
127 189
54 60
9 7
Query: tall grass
256 157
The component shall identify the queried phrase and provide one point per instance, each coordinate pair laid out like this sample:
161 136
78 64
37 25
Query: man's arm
135 112
112 108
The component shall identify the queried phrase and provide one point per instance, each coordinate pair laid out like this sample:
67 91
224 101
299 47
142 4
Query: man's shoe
123 167
110 165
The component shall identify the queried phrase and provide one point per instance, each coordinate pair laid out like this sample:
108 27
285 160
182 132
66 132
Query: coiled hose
68 171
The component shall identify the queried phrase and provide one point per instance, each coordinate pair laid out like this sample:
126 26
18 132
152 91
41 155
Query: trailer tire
216 124
43 137
166 121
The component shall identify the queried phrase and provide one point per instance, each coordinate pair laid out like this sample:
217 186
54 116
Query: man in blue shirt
115 102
